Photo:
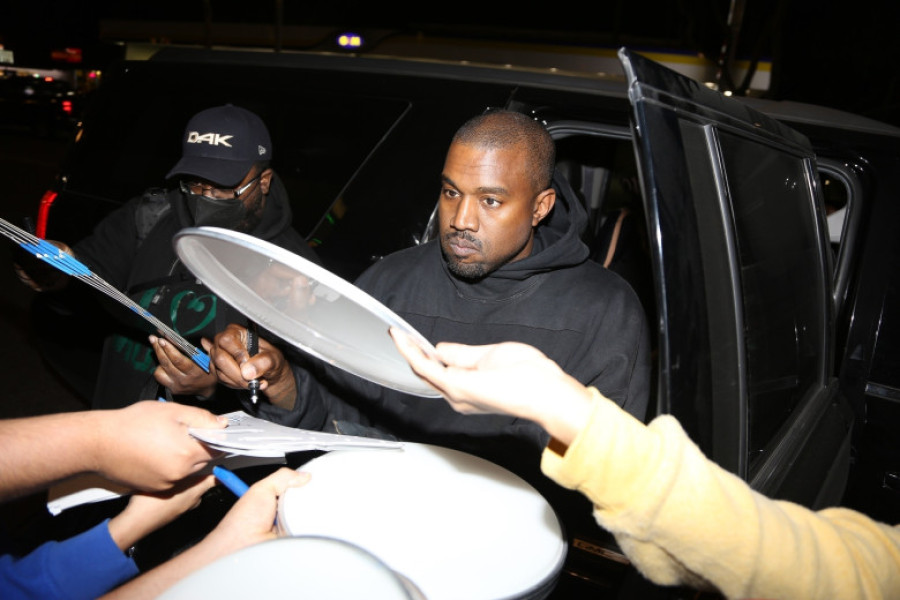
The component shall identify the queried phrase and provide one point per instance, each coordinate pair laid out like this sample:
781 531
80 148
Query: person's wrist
207 393
285 398
125 530
569 413
282 390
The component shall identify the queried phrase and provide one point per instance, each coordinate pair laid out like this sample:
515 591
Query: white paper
250 435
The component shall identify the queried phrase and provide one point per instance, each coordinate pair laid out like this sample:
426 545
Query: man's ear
265 180
543 204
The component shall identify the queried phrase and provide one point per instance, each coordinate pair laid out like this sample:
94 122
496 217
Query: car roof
607 83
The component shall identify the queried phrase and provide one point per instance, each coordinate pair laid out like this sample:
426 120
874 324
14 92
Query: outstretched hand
509 378
148 511
147 445
37 274
179 373
250 521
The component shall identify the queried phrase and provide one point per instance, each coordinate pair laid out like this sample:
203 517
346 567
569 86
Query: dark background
838 54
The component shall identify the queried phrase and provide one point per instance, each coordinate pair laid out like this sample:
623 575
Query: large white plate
304 304
454 524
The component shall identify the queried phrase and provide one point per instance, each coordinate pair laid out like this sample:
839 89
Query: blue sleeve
84 566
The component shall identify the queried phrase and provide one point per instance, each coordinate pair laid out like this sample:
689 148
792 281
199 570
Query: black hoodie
132 249
581 315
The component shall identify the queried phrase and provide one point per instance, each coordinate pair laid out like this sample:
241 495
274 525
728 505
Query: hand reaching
37 274
250 521
509 378
179 373
147 445
147 512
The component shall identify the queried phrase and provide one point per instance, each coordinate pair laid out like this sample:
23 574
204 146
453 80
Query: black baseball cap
220 145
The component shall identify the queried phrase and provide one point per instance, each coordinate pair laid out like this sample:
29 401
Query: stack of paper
251 436
248 441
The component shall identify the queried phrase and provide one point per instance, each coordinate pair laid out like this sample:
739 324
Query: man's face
239 208
488 209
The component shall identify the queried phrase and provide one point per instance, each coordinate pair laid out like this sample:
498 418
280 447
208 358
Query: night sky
823 52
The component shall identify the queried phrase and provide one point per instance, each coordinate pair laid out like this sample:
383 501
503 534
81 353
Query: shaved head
503 129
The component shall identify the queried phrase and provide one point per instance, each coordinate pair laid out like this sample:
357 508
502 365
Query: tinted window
783 297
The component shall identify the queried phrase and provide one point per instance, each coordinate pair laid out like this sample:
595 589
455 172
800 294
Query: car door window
783 302
742 260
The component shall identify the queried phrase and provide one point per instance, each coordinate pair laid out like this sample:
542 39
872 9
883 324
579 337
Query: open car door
743 283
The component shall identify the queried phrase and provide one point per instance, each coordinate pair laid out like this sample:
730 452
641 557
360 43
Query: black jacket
581 315
132 250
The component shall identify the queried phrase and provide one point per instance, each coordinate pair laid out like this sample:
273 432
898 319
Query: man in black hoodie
224 180
508 265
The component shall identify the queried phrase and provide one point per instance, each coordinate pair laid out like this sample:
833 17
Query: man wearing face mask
223 179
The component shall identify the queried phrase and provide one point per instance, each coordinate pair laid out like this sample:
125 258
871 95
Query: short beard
471 273
468 272
253 216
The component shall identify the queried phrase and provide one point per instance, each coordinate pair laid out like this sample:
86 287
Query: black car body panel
775 345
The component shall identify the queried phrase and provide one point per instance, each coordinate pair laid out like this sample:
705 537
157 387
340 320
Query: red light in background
47 200
67 106
69 55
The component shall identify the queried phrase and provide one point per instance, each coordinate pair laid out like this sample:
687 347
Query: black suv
761 237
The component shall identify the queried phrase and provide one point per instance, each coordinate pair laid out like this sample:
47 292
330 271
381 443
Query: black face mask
216 212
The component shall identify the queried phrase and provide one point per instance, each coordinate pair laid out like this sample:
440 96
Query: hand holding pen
269 366
252 349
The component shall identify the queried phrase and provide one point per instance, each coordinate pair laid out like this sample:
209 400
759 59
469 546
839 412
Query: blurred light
349 40
48 78
43 213
727 92
67 106
69 55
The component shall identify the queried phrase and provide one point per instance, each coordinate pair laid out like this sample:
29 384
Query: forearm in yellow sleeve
682 519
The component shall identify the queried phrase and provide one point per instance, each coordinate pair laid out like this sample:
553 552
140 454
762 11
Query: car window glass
782 297
842 192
